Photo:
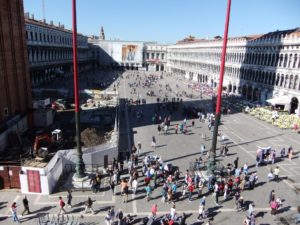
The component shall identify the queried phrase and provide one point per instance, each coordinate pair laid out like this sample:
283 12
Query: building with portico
258 67
50 51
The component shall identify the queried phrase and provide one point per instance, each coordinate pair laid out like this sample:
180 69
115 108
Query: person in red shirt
154 210
221 188
62 206
191 190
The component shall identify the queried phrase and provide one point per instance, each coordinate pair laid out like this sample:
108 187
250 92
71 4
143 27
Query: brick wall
15 89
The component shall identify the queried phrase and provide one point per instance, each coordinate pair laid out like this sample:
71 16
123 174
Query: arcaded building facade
50 50
258 67
15 89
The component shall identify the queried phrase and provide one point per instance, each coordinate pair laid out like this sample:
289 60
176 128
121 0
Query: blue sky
167 21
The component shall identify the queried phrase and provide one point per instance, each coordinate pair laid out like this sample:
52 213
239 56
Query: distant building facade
50 51
129 55
155 57
117 53
257 67
15 88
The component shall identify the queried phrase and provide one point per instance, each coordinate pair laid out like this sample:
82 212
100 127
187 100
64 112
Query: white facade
115 53
257 67
155 57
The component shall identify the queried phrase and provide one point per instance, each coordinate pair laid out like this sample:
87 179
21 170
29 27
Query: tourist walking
173 212
270 175
14 212
290 152
276 174
282 153
139 148
202 149
112 214
26 206
69 198
274 206
112 187
159 129
201 212
61 204
250 208
176 129
125 192
191 190
107 218
153 143
134 186
148 192
88 205
120 217
236 163
154 210
271 196
166 129
216 194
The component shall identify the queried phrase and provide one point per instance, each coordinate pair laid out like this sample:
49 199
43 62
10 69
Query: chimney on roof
51 22
32 16
26 15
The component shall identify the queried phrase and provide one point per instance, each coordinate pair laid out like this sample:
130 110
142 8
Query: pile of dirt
91 137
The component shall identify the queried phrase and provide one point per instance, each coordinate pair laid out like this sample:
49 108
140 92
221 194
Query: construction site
50 145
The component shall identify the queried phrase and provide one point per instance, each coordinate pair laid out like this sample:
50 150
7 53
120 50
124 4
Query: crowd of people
173 183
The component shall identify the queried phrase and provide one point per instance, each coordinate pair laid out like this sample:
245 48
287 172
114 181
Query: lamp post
212 157
79 164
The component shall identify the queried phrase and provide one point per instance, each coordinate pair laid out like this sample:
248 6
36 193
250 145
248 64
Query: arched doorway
294 105
229 88
256 95
234 89
249 93
239 90
244 91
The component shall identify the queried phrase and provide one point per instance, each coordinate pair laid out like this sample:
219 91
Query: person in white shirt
173 212
107 218
134 186
223 139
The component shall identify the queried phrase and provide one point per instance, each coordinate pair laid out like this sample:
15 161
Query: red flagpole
212 161
79 165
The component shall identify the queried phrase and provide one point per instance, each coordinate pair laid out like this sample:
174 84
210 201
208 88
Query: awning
281 100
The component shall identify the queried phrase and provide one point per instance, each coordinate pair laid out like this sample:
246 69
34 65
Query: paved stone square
244 134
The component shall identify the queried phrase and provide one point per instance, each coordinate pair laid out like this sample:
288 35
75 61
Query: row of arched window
45 55
284 60
248 74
